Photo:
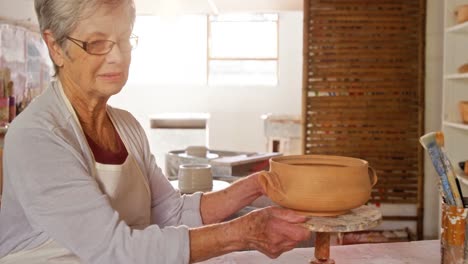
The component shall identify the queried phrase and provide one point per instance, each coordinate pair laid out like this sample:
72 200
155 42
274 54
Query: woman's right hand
272 230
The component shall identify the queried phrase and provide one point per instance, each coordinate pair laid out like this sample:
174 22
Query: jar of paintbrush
453 237
4 102
10 93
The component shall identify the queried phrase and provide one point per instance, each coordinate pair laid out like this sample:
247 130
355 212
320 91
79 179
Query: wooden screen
363 90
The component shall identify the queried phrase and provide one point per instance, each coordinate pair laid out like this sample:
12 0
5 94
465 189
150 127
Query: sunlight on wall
171 50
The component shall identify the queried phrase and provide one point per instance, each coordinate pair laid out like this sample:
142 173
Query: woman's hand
217 206
273 230
270 230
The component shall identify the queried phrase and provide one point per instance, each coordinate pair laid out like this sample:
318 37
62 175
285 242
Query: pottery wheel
361 218
357 219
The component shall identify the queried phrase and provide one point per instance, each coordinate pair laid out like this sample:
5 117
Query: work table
416 252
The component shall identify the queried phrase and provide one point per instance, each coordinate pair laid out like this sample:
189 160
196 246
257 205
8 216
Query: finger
287 215
271 248
297 232
278 250
271 255
275 237
287 246
291 231
265 248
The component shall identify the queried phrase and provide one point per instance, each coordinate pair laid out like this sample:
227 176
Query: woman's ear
55 51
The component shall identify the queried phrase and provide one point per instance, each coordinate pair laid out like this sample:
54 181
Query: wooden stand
358 219
322 249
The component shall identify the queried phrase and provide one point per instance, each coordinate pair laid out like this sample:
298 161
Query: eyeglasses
103 47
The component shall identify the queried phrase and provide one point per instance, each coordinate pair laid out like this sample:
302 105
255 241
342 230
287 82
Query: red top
106 156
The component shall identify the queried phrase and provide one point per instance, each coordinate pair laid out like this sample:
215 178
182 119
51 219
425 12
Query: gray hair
62 16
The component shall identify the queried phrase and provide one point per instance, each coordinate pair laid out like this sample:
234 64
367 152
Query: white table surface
217 185
417 252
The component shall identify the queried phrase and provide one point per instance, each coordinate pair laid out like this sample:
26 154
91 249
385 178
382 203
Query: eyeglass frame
85 44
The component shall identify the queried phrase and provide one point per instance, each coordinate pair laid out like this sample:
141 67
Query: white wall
162 7
18 9
236 111
235 122
433 115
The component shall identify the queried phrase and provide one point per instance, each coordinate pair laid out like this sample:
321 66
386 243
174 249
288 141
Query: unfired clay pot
319 184
463 106
461 13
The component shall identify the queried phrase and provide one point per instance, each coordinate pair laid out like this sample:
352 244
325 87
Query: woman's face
99 76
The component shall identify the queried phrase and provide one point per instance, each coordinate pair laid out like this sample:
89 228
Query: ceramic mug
197 151
195 177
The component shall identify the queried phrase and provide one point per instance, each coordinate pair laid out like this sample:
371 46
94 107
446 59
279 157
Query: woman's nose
116 55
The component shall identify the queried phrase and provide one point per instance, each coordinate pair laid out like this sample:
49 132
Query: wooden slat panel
358 20
367 55
363 93
353 119
364 31
330 87
355 152
408 182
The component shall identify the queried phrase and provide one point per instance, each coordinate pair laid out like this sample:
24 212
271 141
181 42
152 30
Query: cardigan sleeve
53 186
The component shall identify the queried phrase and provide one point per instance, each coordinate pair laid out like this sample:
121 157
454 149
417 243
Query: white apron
128 192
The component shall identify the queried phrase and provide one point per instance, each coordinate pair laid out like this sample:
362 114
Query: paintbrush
428 141
440 140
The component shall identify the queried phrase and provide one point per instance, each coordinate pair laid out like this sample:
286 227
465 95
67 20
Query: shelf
455 84
461 176
456 125
456 76
460 28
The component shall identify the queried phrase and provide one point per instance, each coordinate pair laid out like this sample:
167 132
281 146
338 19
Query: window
171 50
243 49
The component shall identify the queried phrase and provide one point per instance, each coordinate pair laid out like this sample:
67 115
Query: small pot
463 68
463 106
461 13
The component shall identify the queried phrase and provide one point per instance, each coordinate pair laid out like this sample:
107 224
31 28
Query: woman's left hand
217 206
273 230
270 230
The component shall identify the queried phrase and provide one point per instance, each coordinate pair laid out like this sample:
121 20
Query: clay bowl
319 184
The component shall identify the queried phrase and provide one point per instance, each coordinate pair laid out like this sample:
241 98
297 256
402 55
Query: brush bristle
427 139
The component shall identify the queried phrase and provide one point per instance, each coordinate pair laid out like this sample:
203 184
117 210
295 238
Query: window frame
209 58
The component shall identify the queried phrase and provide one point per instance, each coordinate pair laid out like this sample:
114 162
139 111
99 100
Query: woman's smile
111 76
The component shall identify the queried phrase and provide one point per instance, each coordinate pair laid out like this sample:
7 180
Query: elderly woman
80 182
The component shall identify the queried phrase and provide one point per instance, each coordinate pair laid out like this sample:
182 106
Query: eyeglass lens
105 46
